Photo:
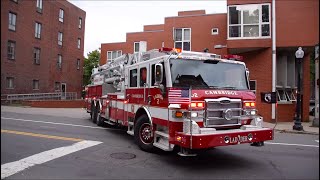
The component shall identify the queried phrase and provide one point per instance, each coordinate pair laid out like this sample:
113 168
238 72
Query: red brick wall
112 47
23 68
153 39
153 27
55 103
259 64
196 12
297 23
201 27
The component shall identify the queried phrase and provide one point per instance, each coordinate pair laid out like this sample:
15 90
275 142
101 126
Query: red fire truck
167 98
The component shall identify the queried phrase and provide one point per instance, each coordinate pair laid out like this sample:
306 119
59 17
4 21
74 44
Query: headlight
250 112
194 114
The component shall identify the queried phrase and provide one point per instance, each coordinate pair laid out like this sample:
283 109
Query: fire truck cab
167 98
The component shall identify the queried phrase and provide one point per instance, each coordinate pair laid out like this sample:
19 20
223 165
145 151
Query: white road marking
65 124
11 168
287 144
317 141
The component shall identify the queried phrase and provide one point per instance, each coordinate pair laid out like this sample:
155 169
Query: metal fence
39 96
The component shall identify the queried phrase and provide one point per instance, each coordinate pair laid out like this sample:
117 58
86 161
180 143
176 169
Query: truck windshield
207 74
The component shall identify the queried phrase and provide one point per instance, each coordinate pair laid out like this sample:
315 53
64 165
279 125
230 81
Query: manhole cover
122 155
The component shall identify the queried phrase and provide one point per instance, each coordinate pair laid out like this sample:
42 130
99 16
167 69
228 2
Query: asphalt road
31 136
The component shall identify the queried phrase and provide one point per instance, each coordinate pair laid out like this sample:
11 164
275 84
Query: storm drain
122 155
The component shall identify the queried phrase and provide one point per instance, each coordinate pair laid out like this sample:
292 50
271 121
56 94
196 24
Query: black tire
95 114
143 134
92 112
100 121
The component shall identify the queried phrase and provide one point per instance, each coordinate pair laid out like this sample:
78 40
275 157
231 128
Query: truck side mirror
158 74
248 79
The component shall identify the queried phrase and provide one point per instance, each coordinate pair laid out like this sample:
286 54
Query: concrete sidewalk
288 127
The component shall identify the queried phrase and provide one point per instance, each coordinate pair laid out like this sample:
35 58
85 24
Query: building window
78 64
37 30
136 46
11 49
59 62
286 77
113 54
36 55
80 23
39 6
57 86
214 31
182 39
60 37
249 21
61 12
133 78
9 82
12 21
35 84
79 43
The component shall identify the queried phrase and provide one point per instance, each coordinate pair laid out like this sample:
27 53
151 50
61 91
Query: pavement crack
276 169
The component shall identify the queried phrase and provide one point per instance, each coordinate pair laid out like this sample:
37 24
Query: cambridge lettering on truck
171 99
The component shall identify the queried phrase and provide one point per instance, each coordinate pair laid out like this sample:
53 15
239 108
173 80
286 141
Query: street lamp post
297 120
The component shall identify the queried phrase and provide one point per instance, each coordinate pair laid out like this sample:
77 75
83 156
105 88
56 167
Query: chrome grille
215 109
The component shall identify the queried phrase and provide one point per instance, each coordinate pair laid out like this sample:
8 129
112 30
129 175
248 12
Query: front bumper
219 137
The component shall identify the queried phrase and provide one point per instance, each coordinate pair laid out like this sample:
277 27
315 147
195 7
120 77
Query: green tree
89 63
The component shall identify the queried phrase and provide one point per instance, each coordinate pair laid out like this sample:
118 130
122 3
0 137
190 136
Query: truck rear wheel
95 114
92 112
100 121
143 134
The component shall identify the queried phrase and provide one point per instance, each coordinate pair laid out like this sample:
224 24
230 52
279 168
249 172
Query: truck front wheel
143 134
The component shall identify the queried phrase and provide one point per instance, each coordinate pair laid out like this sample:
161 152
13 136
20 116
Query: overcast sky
109 21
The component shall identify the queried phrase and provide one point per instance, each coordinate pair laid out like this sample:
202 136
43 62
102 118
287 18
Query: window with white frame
60 38
12 21
39 6
113 54
59 62
78 64
136 47
36 55
286 82
35 84
37 30
182 38
61 13
80 22
9 82
11 50
249 21
79 43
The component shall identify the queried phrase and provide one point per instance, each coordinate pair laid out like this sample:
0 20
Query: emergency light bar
176 50
233 57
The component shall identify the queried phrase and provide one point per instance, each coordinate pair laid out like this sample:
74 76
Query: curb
296 132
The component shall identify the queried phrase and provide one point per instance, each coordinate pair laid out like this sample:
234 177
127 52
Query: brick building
42 44
247 30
